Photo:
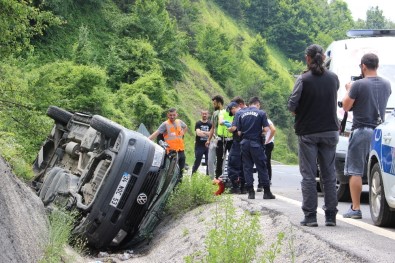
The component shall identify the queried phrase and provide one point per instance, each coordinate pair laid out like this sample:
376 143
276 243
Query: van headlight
158 156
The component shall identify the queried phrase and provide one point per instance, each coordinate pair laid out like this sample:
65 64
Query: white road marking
355 222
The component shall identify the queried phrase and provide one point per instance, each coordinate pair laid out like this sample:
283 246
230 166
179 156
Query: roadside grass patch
61 226
192 192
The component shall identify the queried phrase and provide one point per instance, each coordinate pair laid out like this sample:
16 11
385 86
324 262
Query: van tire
59 115
105 126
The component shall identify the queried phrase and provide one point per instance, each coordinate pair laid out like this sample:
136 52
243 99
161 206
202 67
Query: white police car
343 58
381 173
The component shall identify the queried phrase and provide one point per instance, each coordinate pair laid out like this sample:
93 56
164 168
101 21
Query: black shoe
309 221
330 218
234 190
243 191
259 189
268 195
251 194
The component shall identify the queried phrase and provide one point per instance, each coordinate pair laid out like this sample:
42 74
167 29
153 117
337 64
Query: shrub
192 192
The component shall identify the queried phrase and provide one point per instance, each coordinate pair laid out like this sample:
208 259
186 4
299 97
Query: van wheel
379 209
343 192
106 126
59 115
45 194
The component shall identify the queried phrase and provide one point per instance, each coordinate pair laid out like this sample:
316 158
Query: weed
275 248
61 224
192 192
185 232
233 238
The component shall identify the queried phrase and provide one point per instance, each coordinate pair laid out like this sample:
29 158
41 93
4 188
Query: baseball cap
230 106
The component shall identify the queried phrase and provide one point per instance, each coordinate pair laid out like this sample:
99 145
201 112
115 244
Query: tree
258 51
150 20
19 22
214 48
375 18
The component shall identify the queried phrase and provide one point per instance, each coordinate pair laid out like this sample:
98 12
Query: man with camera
367 98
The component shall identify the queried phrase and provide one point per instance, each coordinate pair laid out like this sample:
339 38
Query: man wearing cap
235 164
173 131
367 98
250 124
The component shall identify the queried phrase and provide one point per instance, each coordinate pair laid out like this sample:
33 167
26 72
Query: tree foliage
150 20
214 49
19 22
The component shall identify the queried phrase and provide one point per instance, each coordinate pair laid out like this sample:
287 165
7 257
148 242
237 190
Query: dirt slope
23 223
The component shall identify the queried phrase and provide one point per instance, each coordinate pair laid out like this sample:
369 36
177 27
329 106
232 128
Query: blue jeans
319 147
199 152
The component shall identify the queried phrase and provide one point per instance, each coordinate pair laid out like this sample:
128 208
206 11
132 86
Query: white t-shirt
268 132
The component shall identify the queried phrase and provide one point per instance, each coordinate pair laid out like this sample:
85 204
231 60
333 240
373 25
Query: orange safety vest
174 136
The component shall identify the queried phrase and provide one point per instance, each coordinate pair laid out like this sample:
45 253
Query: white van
343 58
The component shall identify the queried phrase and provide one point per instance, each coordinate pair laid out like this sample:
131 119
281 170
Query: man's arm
347 101
293 100
154 135
210 135
272 129
201 133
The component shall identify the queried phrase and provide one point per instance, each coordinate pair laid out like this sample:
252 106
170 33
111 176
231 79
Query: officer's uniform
235 164
250 124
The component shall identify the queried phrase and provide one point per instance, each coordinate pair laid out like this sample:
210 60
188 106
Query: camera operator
367 98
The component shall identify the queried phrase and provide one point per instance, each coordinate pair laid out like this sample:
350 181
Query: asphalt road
358 237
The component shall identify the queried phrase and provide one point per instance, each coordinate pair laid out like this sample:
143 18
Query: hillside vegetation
130 60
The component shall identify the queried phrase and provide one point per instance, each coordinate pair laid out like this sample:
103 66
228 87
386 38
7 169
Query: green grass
192 192
61 225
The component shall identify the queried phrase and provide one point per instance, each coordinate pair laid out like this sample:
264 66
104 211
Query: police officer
235 164
251 122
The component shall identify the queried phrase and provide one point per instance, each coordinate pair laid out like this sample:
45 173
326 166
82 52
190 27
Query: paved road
359 237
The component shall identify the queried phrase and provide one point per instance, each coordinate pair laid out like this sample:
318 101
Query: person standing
235 168
173 131
202 128
220 138
367 98
268 150
250 124
313 102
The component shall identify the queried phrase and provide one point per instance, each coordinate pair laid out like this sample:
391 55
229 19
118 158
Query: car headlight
158 156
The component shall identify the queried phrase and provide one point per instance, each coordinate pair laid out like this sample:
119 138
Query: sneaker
259 189
354 214
310 221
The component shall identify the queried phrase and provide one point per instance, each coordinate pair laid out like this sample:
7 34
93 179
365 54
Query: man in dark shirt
250 124
368 99
202 129
313 102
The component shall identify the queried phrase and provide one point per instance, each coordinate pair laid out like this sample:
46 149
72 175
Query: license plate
120 189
